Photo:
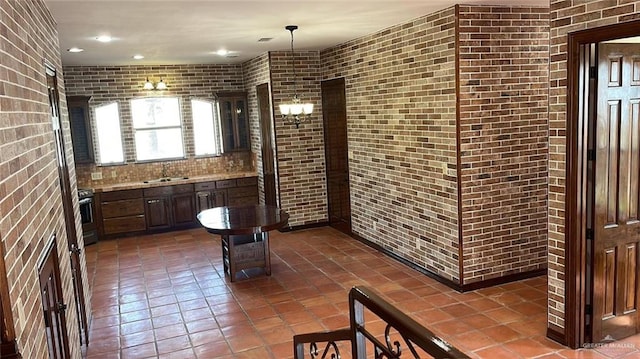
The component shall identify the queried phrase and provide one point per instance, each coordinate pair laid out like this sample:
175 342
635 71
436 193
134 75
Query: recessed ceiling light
222 52
104 38
138 57
75 49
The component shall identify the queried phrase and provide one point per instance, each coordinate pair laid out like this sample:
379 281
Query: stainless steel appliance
89 230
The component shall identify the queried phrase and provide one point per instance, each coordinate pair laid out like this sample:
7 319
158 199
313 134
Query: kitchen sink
165 179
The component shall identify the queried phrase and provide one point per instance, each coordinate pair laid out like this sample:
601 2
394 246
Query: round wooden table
244 232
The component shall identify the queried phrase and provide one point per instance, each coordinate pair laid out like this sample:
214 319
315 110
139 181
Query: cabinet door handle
75 249
152 201
62 307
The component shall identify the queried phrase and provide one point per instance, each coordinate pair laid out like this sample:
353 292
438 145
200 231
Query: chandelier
295 111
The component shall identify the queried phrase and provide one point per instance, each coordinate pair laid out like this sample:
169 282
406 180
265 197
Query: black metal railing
399 337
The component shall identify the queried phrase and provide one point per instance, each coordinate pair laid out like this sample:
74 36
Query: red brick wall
30 201
568 16
504 56
403 146
401 127
301 164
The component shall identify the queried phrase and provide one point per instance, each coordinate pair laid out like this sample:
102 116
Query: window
157 128
206 129
108 134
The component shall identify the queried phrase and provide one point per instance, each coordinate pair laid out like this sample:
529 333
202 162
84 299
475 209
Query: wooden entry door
67 205
334 114
617 192
53 306
268 159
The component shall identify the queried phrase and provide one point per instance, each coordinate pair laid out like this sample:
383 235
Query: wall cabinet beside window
235 121
78 107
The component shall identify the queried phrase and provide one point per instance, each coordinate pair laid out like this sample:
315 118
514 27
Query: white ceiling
190 32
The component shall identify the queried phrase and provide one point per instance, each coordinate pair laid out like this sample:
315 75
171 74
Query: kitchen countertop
179 181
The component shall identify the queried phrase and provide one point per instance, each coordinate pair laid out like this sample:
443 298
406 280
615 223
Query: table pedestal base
241 252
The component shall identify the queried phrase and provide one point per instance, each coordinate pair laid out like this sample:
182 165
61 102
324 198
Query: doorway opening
67 205
334 114
603 185
267 147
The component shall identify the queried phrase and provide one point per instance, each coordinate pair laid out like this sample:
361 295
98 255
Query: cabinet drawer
242 192
117 195
158 191
183 188
122 208
226 183
124 224
205 186
247 181
243 201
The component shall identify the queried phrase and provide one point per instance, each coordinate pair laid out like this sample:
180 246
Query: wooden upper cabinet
234 119
78 107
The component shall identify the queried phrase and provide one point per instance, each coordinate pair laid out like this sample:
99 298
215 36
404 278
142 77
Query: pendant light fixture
295 111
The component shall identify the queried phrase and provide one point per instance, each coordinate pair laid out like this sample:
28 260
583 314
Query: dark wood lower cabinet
120 212
170 207
184 210
157 213
232 192
209 199
244 193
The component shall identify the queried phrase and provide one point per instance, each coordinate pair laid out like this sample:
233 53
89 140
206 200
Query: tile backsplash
134 172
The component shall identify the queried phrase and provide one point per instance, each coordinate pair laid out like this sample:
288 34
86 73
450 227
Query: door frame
576 183
330 82
67 203
267 125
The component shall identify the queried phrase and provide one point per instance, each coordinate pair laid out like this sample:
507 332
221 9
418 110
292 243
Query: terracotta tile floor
165 296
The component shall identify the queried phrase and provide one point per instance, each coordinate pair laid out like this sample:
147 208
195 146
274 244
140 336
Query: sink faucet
165 170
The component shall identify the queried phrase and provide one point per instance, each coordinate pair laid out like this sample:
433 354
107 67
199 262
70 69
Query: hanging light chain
292 28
